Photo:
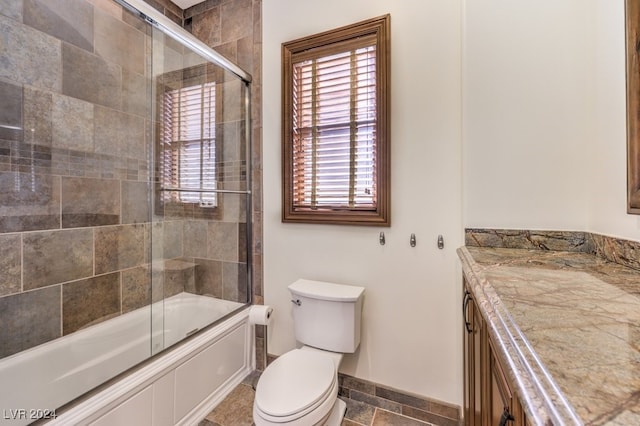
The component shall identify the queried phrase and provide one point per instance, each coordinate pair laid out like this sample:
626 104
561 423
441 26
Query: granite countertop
568 325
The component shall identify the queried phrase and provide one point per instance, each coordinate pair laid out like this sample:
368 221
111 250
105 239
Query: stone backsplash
621 251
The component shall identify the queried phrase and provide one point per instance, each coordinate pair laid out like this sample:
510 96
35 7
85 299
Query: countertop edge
541 399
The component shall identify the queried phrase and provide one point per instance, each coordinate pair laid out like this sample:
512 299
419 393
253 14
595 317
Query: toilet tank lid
326 291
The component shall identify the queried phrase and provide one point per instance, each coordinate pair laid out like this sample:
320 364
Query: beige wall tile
72 124
71 22
91 78
90 202
118 247
24 327
120 134
10 264
136 288
119 43
88 302
29 202
26 52
51 257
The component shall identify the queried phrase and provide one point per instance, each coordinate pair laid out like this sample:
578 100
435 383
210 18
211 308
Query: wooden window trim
381 216
633 105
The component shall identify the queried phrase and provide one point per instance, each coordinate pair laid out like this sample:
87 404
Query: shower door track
153 17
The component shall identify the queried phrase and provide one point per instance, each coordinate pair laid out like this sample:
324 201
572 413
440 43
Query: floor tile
387 418
235 410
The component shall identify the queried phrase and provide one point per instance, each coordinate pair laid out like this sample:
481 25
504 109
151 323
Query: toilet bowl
300 388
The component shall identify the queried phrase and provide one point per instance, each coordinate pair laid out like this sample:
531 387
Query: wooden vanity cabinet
489 399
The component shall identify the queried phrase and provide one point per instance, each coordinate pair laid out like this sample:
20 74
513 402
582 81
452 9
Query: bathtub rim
107 396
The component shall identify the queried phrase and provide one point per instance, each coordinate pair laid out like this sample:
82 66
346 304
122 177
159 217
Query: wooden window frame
380 214
633 105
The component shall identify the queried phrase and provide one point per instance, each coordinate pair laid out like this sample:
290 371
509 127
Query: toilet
300 388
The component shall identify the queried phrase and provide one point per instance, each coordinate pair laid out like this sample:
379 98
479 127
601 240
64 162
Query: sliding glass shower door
200 226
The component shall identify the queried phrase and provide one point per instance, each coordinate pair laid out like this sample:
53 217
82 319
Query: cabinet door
501 403
474 362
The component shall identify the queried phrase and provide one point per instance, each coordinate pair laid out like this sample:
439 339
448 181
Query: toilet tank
326 315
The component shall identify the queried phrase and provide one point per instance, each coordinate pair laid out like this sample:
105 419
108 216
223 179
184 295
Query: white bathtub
35 382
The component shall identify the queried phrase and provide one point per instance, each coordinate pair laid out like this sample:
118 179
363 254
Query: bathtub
178 386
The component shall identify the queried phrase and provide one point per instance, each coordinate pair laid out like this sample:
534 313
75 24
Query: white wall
608 173
411 331
544 137
527 103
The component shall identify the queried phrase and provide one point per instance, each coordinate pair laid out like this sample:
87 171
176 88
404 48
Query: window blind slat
188 136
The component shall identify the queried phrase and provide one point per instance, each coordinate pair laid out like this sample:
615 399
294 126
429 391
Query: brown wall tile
29 202
10 264
10 111
234 17
178 276
402 398
108 6
134 94
38 116
136 288
24 327
52 257
90 301
120 134
119 43
73 124
206 26
222 241
234 281
208 277
71 22
385 404
90 78
172 239
11 9
136 199
244 53
90 202
195 238
26 52
119 247
201 7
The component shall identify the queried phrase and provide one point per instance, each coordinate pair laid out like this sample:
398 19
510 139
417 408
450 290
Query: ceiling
185 4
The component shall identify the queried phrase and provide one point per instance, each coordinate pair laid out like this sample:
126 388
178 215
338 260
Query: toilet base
337 413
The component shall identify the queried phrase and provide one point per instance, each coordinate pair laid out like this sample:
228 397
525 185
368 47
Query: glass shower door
199 230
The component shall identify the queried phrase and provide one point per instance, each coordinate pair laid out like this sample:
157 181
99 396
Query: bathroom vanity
550 337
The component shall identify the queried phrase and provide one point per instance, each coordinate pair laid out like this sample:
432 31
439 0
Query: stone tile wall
79 238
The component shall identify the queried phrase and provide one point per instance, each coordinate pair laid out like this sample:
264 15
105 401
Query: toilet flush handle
296 302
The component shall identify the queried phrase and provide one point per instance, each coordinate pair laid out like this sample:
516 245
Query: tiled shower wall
75 189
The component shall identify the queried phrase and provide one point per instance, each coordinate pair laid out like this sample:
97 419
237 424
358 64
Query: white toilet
301 386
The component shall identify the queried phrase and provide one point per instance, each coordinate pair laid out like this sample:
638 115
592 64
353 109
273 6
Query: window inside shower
188 137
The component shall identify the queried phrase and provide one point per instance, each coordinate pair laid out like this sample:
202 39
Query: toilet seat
296 384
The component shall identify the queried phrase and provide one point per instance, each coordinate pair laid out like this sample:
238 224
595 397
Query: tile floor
236 410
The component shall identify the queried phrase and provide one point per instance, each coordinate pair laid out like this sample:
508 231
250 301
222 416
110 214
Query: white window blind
334 130
188 138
